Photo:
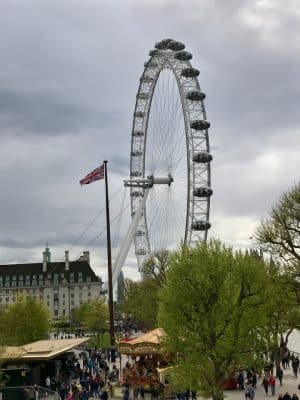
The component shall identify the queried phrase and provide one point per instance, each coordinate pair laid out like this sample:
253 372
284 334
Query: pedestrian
295 397
280 396
240 380
265 384
286 396
272 383
251 392
279 374
295 366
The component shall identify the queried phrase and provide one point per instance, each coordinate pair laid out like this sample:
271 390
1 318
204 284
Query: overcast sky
68 80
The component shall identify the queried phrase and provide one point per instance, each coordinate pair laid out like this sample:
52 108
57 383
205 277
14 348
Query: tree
280 233
212 310
94 316
24 321
141 298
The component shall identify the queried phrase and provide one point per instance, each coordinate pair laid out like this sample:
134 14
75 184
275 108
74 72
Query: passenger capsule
139 114
190 72
140 252
136 153
136 173
201 225
199 124
136 193
202 157
146 78
153 52
150 64
183 56
163 44
176 46
143 96
203 191
195 95
138 133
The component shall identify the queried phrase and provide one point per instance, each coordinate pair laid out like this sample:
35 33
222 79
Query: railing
28 393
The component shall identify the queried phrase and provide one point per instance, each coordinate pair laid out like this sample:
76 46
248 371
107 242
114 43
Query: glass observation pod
183 56
136 193
202 157
136 173
139 233
146 78
143 96
150 64
201 225
190 72
140 252
139 114
199 124
136 153
153 52
175 46
203 191
138 133
195 95
163 44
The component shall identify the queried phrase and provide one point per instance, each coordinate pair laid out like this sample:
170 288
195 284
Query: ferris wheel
170 153
170 179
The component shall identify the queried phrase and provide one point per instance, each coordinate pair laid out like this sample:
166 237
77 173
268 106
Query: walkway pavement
289 384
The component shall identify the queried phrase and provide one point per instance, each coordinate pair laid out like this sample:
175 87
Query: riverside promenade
289 384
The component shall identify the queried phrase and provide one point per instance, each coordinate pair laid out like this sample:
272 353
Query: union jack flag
95 175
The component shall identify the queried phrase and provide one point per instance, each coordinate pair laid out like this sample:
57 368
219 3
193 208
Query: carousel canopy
149 343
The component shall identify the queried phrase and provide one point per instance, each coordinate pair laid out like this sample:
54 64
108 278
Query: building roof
75 267
41 350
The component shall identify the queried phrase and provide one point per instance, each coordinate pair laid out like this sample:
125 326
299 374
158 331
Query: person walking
265 384
279 375
295 397
272 383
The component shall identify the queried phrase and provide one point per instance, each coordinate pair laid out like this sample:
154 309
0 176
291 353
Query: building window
20 283
72 302
41 289
80 295
64 295
40 277
48 304
14 283
64 303
88 279
7 291
56 313
6 298
89 287
41 296
72 295
80 302
89 294
48 296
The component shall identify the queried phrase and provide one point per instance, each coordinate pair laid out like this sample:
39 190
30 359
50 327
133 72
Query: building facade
63 286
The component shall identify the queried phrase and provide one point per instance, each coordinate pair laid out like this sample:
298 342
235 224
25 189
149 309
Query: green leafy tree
94 316
279 234
141 301
212 308
24 321
141 298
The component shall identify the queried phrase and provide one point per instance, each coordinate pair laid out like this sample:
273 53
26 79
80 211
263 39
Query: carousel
147 361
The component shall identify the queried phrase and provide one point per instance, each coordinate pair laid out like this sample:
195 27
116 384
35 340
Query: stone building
62 286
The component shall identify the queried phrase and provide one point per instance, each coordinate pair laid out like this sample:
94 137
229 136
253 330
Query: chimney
67 263
85 257
44 261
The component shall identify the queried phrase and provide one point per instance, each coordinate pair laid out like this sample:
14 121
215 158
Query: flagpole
109 268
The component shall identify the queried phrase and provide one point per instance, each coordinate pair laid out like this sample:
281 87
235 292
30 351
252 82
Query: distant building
62 286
